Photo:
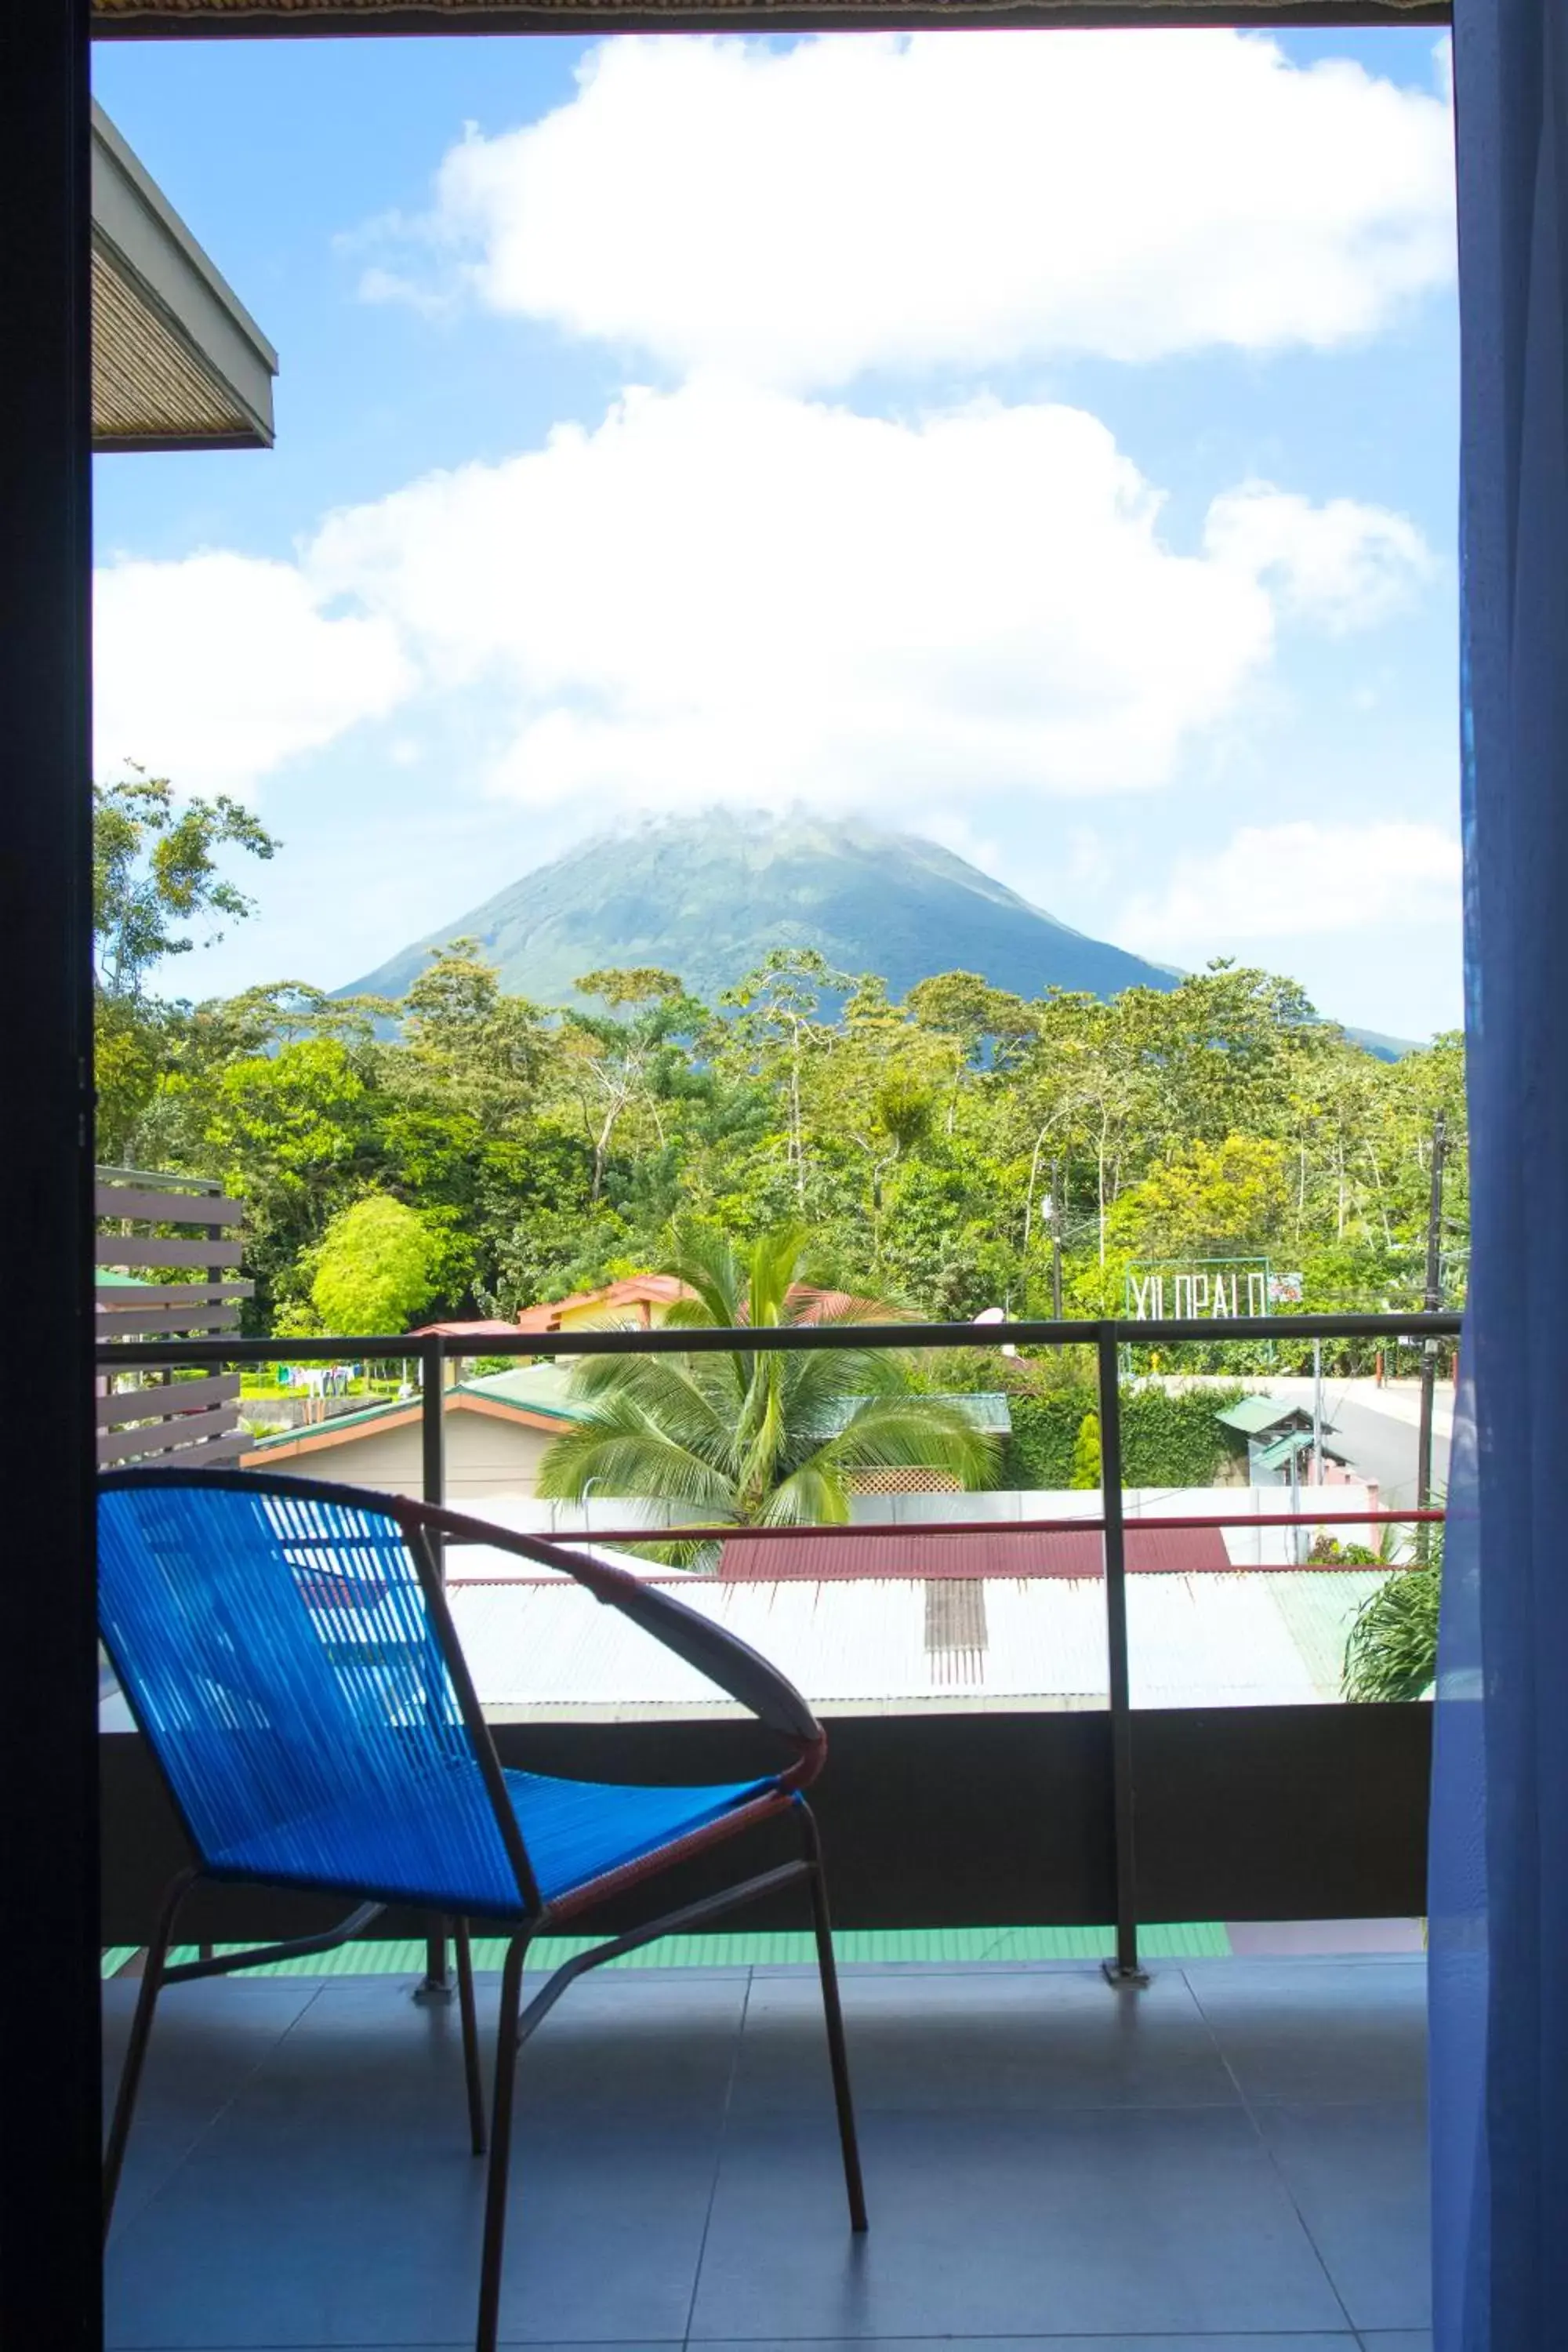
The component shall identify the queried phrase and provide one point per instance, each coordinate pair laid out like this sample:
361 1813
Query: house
637 1302
1280 1442
498 1430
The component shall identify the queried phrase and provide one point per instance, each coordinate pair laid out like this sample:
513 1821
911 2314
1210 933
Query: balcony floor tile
1358 2180
1052 2166
1011 2040
1010 2224
1319 2030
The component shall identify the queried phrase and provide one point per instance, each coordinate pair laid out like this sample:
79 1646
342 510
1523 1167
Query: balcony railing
1192 1801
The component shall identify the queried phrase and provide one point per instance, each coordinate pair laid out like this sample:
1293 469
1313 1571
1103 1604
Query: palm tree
1391 1650
754 1439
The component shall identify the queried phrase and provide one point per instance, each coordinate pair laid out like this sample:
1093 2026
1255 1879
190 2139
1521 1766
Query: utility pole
1317 1412
1431 1301
1057 1242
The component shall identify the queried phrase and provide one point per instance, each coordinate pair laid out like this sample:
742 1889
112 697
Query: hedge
1167 1439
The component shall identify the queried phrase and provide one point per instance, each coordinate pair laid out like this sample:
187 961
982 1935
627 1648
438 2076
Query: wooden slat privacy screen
187 1232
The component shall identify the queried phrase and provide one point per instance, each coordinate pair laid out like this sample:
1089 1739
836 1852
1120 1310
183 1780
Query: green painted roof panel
1253 1415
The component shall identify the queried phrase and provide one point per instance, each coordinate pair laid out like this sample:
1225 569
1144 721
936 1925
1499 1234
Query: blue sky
1047 443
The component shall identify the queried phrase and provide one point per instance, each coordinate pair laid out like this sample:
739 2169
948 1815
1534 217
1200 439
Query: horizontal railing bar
788 1338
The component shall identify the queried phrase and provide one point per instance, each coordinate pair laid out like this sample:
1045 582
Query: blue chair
286 1650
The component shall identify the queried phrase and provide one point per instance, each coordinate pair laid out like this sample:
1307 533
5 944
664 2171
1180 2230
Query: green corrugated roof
1318 1606
1295 1440
107 1278
532 1388
1275 1457
988 1409
1253 1414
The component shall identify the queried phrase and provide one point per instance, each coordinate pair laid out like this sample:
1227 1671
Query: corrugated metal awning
549 1651
177 360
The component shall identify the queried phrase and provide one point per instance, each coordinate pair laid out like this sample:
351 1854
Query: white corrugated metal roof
866 1646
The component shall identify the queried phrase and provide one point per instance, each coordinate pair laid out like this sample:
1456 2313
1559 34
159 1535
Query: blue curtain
1499 1855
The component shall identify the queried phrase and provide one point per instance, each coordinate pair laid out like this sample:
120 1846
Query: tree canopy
546 1150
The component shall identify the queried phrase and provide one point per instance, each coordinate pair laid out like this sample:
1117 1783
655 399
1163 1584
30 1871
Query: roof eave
179 315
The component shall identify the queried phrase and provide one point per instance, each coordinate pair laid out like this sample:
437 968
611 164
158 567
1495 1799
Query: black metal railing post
432 1418
436 1983
1124 1968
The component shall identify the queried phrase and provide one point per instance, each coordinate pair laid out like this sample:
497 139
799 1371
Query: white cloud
216 668
1343 565
729 594
797 215
1288 881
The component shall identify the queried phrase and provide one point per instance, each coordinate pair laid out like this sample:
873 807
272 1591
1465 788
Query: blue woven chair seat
575 1831
578 1830
287 1651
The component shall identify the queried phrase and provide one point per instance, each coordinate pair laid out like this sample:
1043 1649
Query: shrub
1086 1459
1168 1438
1391 1650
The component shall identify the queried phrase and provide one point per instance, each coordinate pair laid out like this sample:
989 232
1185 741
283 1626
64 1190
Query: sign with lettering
1185 1289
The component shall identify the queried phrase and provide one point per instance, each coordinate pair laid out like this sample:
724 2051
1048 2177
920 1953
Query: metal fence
1107 1337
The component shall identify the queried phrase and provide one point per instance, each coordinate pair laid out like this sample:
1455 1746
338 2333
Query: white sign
1184 1293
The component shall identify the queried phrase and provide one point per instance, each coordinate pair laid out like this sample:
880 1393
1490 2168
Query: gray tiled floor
1232 2161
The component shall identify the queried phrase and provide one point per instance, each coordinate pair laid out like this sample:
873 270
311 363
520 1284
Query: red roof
1000 1552
482 1330
636 1290
809 1304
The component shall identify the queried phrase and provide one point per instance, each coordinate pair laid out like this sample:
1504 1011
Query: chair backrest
288 1657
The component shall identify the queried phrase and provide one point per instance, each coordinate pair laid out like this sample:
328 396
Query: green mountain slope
707 896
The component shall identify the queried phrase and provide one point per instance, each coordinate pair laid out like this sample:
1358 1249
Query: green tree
778 1025
1086 1469
372 1268
467 1046
1207 1199
624 1057
750 1438
156 869
155 874
974 1019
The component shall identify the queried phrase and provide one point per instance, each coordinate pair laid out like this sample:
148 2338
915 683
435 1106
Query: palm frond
915 1432
624 1452
775 1258
1392 1649
814 1494
704 1259
685 1395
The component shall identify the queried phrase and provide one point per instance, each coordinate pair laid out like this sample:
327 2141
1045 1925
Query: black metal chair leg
500 2144
833 2012
136 2048
470 2036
